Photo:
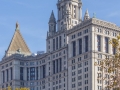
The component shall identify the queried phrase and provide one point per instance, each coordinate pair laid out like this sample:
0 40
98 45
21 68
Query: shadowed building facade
73 44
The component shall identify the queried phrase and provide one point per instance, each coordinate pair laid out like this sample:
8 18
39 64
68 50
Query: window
86 87
86 75
107 32
60 42
73 67
32 73
86 31
99 42
80 33
85 56
79 59
6 65
86 63
21 63
99 30
80 46
73 79
73 36
60 64
53 44
31 63
11 71
79 77
53 67
106 44
73 73
86 69
57 43
44 71
73 61
80 71
79 65
10 63
79 83
73 85
86 43
74 48
86 81
21 73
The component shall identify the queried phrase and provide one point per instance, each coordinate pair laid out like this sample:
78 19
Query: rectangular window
99 42
21 73
11 70
57 65
80 46
74 48
53 44
32 73
44 71
114 50
60 42
60 64
36 73
106 44
57 43
86 43
53 67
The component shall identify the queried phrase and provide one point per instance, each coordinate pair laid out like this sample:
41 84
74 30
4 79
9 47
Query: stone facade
72 50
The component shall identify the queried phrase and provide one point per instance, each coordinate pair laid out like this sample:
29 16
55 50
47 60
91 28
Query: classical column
38 73
41 72
5 75
25 73
80 13
73 11
110 48
76 12
9 73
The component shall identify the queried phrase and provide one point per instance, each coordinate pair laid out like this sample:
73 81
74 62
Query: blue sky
33 17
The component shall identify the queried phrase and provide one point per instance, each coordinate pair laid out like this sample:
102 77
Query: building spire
86 16
52 18
52 24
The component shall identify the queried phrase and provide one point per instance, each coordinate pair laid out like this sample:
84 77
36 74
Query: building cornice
93 21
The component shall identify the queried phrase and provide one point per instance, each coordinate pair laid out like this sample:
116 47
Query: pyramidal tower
17 44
